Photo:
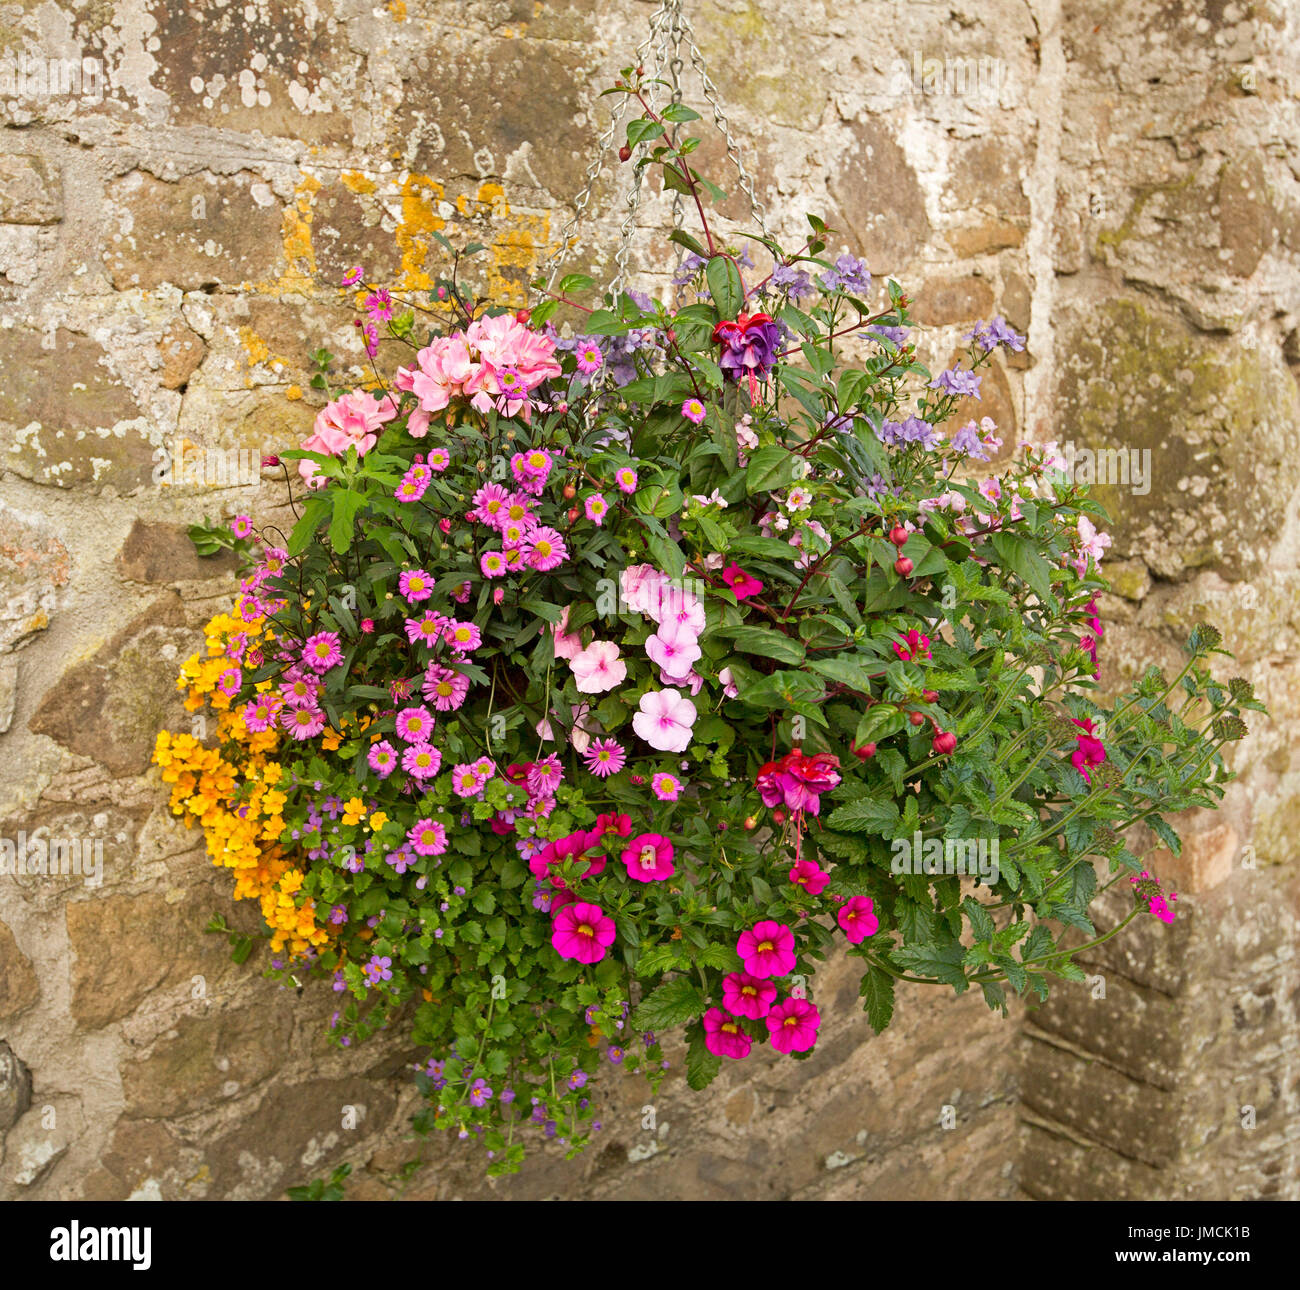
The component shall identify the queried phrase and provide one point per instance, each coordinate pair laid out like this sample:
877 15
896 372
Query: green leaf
877 991
878 722
727 289
1021 557
346 506
676 1001
683 238
702 1066
981 921
679 112
770 468
766 643
866 815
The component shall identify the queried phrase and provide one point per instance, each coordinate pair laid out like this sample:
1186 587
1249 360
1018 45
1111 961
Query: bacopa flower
583 932
649 858
742 584
723 1036
744 995
665 719
767 949
856 918
792 1025
598 668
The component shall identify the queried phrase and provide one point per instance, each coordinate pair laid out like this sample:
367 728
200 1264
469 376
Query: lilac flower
794 281
849 274
958 381
988 335
691 265
896 335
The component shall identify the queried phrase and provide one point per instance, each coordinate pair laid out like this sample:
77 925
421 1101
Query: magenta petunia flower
747 996
742 584
322 652
857 920
809 875
415 585
382 758
427 837
596 507
545 549
583 932
462 637
767 949
723 1036
667 788
605 757
649 858
444 688
421 761
793 1025
664 720
303 723
415 725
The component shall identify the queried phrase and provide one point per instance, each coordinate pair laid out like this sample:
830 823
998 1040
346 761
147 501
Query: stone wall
180 188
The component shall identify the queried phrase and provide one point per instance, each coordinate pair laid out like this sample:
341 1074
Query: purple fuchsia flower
544 549
415 725
583 932
415 585
462 637
382 758
427 837
444 688
767 949
605 757
322 652
792 1025
744 995
664 720
649 858
856 918
748 346
303 723
421 761
723 1036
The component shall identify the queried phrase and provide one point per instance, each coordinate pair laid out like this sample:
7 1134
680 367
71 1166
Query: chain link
670 30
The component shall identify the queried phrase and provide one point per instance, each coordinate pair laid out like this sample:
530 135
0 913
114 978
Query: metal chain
669 27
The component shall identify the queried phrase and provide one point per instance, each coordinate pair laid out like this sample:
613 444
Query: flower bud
903 566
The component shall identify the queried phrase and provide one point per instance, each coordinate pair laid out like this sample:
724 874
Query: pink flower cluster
1090 752
525 543
351 421
495 363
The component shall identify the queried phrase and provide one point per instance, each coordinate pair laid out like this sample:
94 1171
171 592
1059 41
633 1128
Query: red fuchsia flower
798 781
427 837
1090 752
444 688
767 949
322 652
809 875
421 761
605 757
857 919
747 996
793 1025
916 643
748 346
742 584
723 1036
583 932
649 858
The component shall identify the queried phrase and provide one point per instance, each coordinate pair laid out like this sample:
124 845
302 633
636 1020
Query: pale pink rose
642 586
598 668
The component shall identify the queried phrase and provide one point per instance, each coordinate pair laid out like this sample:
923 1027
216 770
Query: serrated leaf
877 991
866 815
675 1002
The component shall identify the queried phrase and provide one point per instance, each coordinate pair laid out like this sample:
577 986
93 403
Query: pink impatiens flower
675 649
747 996
857 920
598 668
793 1025
767 949
649 858
665 719
583 932
723 1036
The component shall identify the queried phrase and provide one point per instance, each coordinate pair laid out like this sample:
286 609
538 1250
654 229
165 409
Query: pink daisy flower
462 637
667 788
241 526
767 949
466 781
589 359
382 758
485 768
415 725
426 630
513 534
649 858
693 411
626 479
415 585
421 761
427 837
857 920
545 549
596 507
229 681
489 505
747 996
605 757
259 715
321 652
493 564
303 723
793 1025
410 490
299 692
809 875
439 459
583 932
519 510
723 1036
544 776
445 689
